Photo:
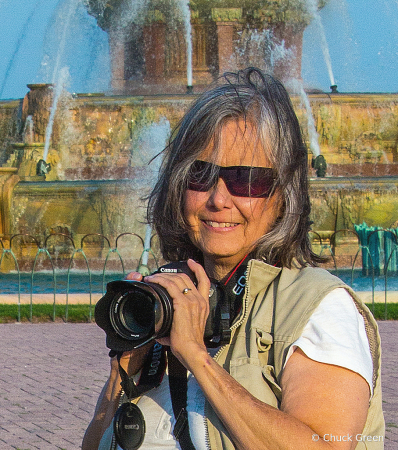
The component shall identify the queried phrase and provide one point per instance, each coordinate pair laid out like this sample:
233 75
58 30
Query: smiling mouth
212 224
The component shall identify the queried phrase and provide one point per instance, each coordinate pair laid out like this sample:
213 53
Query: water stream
312 6
150 143
71 7
63 78
186 13
298 88
27 135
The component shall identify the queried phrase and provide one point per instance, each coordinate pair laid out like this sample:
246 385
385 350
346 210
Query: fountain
89 147
211 30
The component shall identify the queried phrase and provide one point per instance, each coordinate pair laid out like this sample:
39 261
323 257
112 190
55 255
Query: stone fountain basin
116 206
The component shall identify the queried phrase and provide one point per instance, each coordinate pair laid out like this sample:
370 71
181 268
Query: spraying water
188 37
312 6
60 75
150 143
59 87
71 9
298 88
27 134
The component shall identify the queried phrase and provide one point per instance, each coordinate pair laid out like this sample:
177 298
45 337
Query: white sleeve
335 334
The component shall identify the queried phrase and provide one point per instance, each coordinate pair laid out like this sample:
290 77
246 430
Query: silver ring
186 290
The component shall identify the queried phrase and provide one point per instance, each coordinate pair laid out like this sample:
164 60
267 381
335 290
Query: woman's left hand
191 310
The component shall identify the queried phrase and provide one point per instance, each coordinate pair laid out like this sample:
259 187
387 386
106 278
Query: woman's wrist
196 358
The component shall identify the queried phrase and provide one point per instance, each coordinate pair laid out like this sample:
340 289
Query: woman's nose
219 196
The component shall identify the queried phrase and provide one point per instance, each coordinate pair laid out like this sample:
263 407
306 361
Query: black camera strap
129 423
178 383
151 377
234 287
151 374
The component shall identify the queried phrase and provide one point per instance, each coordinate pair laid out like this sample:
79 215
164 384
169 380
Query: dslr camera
133 313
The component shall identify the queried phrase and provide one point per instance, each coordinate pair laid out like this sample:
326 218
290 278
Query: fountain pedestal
154 35
37 105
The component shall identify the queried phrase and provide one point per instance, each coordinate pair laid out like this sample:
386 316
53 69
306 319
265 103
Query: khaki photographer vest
277 305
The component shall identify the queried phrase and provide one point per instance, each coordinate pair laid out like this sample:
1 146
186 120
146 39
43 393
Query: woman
302 366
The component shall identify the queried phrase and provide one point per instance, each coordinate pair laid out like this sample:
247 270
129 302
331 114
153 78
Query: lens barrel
142 312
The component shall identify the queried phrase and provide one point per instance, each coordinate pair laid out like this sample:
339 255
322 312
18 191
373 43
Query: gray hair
262 101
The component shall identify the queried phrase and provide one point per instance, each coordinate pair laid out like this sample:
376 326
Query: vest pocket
269 375
257 379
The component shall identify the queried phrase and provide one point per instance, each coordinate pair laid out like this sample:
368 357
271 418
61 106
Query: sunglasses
241 181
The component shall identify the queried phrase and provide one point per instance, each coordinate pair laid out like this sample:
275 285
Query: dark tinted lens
241 181
137 312
200 176
248 181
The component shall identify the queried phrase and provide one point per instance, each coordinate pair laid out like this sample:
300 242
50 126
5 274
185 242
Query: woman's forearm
105 409
330 400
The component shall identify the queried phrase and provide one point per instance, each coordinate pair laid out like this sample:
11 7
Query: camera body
133 313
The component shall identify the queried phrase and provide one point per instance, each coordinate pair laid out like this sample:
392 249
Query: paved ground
51 375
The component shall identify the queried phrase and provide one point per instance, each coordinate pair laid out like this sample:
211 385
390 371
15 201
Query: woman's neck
219 269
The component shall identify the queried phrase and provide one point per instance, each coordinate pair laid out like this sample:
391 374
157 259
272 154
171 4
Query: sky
362 37
38 38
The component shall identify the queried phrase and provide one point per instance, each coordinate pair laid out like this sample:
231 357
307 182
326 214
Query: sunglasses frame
208 174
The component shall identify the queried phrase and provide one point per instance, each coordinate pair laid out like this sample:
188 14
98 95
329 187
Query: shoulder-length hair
263 102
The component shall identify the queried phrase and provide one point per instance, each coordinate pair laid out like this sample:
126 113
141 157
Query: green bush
379 311
45 312
81 313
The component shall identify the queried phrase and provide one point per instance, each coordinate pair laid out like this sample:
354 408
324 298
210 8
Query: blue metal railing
379 250
42 253
43 249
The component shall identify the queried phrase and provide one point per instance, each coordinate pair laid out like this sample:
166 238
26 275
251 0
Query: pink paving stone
51 375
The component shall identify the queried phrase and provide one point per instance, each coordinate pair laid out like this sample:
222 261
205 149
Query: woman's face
225 227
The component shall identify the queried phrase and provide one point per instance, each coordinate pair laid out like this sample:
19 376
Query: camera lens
136 312
132 314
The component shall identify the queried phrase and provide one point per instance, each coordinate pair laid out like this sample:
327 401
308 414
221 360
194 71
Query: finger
135 276
174 283
201 277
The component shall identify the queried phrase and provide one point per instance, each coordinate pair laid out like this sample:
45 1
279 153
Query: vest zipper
245 302
207 439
